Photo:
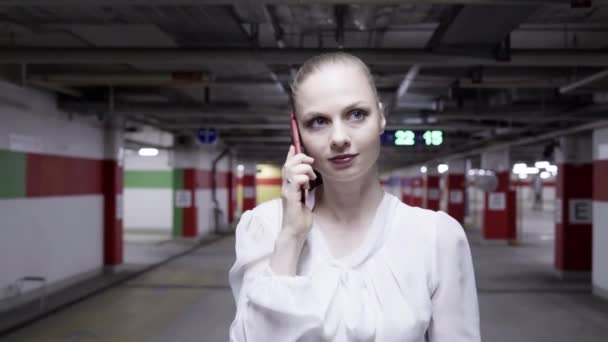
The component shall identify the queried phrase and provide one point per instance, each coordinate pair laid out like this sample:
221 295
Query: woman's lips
343 160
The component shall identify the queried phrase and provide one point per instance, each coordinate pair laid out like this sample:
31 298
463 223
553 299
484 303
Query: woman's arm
273 304
455 316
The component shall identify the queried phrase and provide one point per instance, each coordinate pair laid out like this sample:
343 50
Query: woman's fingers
290 153
302 169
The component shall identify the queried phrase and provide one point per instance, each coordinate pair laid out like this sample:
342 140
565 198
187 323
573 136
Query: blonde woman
352 263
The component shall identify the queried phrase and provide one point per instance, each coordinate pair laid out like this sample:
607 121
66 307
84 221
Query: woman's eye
358 114
316 122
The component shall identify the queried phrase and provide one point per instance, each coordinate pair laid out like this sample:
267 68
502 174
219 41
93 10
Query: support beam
590 79
59 3
230 56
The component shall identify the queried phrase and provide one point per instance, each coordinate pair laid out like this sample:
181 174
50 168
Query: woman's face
338 114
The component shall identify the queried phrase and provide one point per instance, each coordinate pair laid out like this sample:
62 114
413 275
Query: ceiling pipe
387 56
123 78
60 3
590 79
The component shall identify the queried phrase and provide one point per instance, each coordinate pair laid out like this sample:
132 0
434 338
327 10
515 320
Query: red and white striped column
112 186
573 226
431 191
455 187
417 186
406 190
600 213
249 186
500 210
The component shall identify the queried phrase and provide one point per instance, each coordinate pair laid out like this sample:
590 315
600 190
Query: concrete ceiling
484 71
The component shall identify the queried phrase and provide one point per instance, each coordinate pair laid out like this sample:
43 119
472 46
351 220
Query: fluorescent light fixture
148 152
240 167
423 169
522 175
552 169
519 167
545 175
472 172
481 172
541 164
441 168
532 171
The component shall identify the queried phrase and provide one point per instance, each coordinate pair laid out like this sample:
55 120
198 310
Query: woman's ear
382 118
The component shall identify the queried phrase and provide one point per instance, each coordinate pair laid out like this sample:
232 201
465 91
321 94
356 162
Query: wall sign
207 136
497 201
456 196
580 211
183 199
406 137
434 194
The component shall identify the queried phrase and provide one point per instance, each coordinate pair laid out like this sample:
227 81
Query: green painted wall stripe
178 221
12 174
154 179
178 179
178 213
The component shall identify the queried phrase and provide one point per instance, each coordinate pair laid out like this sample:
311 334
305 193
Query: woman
353 263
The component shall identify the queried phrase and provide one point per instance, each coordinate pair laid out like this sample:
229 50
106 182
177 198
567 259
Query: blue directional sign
207 136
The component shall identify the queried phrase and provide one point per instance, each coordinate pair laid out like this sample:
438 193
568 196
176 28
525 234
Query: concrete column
573 204
455 187
500 211
600 213
113 192
249 186
431 192
185 184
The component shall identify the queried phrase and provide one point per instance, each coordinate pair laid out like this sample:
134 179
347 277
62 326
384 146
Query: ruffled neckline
373 239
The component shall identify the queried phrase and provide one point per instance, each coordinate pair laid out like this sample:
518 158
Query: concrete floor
188 299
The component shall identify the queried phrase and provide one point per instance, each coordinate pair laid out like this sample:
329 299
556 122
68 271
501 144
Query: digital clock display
404 137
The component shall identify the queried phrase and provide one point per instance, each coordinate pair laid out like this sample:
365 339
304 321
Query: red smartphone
295 138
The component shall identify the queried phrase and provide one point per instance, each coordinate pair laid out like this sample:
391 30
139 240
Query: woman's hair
315 64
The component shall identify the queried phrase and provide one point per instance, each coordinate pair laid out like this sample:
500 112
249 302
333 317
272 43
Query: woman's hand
297 217
297 173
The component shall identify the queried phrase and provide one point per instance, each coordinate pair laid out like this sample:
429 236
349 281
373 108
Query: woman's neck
350 202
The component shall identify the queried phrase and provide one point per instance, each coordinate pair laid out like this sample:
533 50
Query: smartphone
295 138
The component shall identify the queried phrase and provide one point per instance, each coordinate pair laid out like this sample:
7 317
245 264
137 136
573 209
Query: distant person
538 193
353 263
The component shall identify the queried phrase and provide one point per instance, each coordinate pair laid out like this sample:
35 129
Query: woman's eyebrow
347 108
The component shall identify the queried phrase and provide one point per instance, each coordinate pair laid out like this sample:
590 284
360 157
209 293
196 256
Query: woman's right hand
297 172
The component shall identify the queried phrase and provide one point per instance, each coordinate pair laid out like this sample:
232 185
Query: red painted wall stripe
49 175
456 182
112 176
432 184
269 181
573 242
190 228
501 224
231 198
600 180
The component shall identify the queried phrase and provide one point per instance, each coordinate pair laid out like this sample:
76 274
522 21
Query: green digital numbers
405 138
434 138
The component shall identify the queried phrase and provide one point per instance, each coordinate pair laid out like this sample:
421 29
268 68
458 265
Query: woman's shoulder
261 223
424 225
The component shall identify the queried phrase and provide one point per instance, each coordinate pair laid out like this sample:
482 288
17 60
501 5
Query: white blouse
411 279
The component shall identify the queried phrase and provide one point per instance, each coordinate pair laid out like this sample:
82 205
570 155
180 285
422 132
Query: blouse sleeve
455 309
269 307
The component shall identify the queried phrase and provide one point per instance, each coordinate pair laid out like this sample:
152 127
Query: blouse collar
372 242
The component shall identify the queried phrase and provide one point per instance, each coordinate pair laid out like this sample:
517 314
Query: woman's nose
339 137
